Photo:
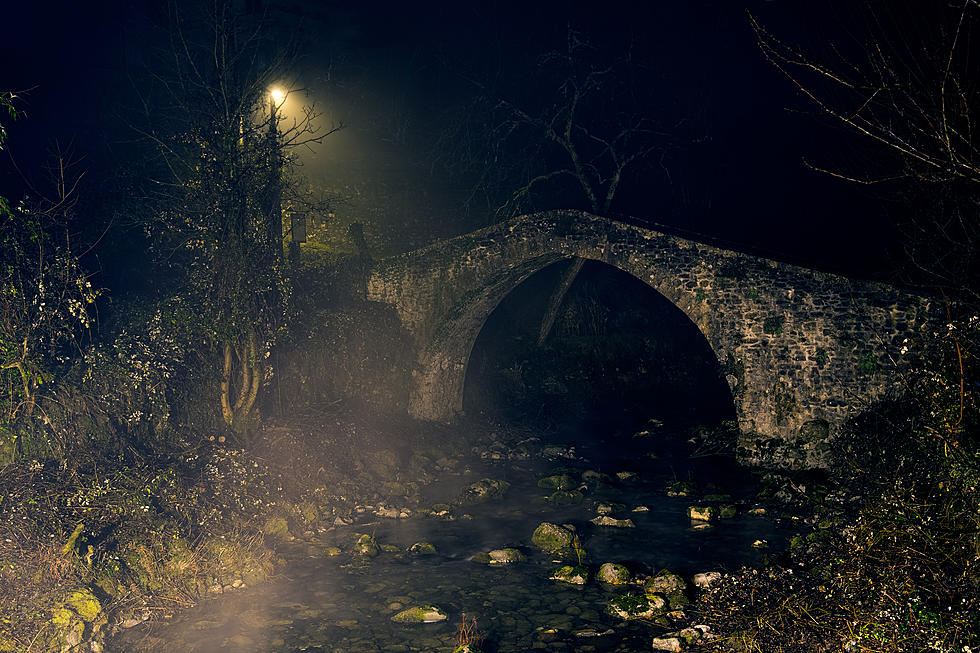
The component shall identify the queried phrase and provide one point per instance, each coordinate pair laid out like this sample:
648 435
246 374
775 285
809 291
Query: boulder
727 511
707 579
702 513
366 546
419 615
606 520
633 606
607 508
422 549
613 573
482 490
680 640
557 482
665 582
500 557
575 575
565 498
552 538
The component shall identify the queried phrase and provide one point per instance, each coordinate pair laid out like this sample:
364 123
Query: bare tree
568 135
912 91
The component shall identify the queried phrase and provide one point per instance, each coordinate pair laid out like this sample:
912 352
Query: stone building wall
802 350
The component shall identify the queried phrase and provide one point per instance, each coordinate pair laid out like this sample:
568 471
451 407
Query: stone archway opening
618 355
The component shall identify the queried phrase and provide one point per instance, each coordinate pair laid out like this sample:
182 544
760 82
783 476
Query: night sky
393 72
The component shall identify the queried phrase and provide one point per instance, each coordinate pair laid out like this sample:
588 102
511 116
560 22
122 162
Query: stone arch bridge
802 350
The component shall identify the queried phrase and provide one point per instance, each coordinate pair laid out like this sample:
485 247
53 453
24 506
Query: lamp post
276 98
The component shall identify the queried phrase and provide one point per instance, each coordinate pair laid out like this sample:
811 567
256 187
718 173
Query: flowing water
341 604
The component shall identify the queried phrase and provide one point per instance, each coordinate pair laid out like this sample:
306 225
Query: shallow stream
341 604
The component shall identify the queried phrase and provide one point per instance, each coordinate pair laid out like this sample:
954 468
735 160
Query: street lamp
276 98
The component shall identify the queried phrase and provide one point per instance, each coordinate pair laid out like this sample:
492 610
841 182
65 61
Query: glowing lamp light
278 95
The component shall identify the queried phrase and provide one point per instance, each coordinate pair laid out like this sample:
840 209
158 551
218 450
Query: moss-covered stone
635 606
565 498
365 546
575 575
613 573
85 605
422 549
594 478
665 582
606 520
482 490
77 618
703 513
552 538
419 615
557 482
500 557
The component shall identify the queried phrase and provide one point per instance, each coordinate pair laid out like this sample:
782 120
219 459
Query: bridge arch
799 348
618 353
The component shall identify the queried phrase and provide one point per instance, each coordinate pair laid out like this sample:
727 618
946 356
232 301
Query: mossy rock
593 478
557 482
77 618
420 615
612 522
636 606
703 513
552 538
500 557
727 511
483 490
613 573
665 582
566 498
366 547
85 605
422 549
575 575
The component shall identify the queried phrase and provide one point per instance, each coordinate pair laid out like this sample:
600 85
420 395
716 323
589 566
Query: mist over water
341 603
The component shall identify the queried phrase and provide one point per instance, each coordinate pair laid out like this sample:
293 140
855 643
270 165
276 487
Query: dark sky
737 176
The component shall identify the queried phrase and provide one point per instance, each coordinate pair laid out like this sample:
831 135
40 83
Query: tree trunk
554 302
249 368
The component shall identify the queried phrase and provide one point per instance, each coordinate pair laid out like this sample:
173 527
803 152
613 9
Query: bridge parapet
802 350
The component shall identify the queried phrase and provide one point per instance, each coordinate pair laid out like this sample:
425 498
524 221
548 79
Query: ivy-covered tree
217 122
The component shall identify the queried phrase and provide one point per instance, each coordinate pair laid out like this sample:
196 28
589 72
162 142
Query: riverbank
98 544
98 548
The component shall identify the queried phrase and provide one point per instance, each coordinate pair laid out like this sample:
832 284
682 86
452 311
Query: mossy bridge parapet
802 350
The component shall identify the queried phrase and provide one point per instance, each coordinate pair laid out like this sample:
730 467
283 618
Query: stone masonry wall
802 350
